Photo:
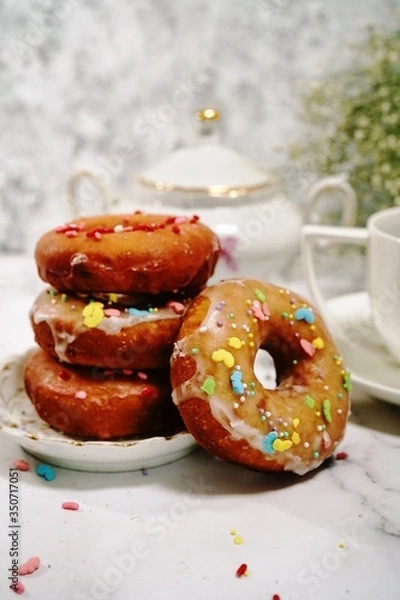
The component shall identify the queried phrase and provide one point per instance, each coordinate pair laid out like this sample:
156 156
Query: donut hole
264 369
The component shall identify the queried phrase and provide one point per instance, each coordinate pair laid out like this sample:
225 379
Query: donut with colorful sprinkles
100 404
128 254
88 332
294 427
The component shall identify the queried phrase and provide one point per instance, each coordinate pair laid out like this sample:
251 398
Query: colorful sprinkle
282 445
308 347
238 540
224 356
236 382
259 295
304 314
18 588
112 312
310 401
45 471
208 386
137 312
235 342
318 343
341 456
93 314
269 439
326 409
81 395
242 570
70 505
30 566
21 464
295 438
346 381
296 423
177 307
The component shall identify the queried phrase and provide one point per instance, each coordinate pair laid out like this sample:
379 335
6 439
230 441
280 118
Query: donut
128 254
223 403
77 330
102 405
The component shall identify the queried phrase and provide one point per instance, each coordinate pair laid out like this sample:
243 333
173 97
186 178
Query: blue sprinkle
236 382
269 440
45 471
136 312
304 314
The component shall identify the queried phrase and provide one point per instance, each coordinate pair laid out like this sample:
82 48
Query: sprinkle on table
45 471
21 464
341 456
242 570
70 505
30 566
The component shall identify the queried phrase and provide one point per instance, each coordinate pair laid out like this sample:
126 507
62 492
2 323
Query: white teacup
382 238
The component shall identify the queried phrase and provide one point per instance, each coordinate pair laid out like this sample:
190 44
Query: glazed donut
294 427
128 254
103 334
93 404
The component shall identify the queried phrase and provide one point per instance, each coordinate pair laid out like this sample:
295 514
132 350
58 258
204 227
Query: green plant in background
354 121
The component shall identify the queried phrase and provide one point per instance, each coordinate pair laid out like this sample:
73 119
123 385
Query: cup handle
315 233
71 196
338 183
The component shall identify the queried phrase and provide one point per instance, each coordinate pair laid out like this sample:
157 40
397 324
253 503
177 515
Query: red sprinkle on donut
64 376
341 456
276 597
148 392
242 570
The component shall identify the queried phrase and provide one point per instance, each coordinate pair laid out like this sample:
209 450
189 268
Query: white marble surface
333 534
113 86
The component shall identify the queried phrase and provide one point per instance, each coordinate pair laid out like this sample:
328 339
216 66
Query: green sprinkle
208 386
285 315
285 434
53 293
340 395
194 350
310 401
346 381
63 297
259 295
315 454
263 418
326 409
231 315
252 384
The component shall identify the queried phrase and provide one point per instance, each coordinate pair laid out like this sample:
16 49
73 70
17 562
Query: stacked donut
119 288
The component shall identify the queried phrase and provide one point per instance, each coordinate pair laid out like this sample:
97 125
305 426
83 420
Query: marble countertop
168 532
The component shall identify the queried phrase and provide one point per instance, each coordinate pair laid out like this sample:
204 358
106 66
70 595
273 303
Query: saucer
370 364
19 421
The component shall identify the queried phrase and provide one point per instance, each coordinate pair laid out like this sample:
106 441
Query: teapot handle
98 184
348 196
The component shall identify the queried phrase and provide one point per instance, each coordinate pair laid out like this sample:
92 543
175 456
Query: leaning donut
95 404
136 253
105 334
226 407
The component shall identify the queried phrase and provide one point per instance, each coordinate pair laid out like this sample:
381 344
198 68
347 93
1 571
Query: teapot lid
207 166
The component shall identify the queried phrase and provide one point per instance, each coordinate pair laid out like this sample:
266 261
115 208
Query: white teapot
258 224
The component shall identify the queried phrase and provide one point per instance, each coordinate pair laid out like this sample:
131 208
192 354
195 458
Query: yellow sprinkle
312 327
296 422
233 531
251 344
251 335
318 343
295 438
281 445
341 545
113 298
290 315
238 540
93 314
234 342
224 356
281 291
317 413
254 320
248 302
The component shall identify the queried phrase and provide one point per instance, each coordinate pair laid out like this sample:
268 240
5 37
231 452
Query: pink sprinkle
181 220
18 588
307 347
71 233
97 235
127 371
177 307
81 395
257 311
142 375
21 465
70 505
112 312
265 309
30 566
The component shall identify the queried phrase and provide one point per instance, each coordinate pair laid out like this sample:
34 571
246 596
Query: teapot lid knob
208 120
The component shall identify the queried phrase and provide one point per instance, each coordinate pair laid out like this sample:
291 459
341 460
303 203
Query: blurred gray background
113 86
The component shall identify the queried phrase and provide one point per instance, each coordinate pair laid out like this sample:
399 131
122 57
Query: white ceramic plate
371 366
19 420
